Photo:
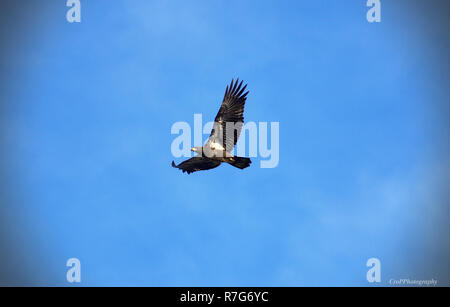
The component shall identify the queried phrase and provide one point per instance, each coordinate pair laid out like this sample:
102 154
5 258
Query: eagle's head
197 149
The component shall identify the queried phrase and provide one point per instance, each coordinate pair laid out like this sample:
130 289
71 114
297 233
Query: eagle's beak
192 149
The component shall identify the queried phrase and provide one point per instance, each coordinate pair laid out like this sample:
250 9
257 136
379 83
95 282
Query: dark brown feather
231 111
197 164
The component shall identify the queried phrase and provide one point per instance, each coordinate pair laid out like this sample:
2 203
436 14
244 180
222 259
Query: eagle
224 135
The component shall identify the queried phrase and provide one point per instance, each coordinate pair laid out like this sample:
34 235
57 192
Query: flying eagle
224 135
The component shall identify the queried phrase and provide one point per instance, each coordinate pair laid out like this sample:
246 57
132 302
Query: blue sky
87 127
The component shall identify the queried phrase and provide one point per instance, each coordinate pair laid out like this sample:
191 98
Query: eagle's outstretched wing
197 164
231 111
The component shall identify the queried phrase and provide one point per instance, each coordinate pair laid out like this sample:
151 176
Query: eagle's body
224 135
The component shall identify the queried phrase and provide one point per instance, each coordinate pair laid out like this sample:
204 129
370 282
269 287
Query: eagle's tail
239 162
